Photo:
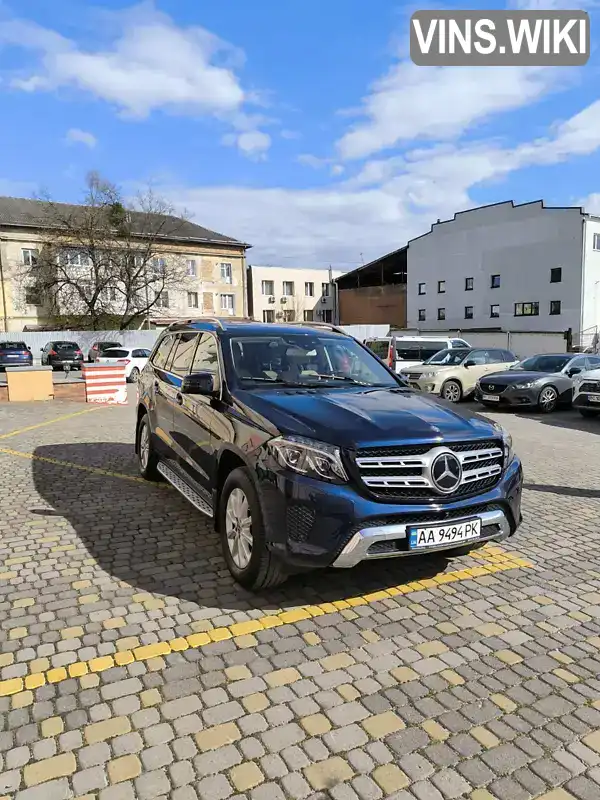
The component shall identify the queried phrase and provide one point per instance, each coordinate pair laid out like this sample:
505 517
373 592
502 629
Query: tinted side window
580 362
162 352
478 357
509 357
207 355
594 362
140 353
495 355
183 353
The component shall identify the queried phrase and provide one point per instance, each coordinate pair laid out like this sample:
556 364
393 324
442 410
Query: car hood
361 417
509 377
594 374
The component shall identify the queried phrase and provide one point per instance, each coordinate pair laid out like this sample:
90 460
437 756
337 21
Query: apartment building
290 294
214 282
507 267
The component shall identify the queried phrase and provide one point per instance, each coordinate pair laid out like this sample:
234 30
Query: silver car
543 381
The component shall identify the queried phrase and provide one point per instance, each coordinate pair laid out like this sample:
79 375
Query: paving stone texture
132 666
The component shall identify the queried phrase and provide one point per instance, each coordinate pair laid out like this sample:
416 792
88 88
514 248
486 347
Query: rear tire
134 375
588 413
242 533
452 391
147 458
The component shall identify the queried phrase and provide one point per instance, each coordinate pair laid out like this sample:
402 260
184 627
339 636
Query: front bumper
583 400
310 523
510 396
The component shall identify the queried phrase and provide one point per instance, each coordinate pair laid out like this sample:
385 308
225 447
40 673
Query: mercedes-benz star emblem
446 472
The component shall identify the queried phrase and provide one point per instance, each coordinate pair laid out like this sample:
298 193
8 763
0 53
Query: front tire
548 400
242 533
452 391
588 413
147 458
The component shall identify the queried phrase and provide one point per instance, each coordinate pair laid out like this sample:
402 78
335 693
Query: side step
190 494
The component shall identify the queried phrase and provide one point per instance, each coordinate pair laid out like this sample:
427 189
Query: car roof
250 327
555 355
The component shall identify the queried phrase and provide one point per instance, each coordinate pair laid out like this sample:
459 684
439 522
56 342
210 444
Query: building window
441 287
227 302
289 315
422 315
309 289
267 287
328 315
495 282
191 267
527 309
468 312
494 311
288 288
309 316
31 259
556 275
441 313
226 273
554 308
422 288
468 284
192 299
109 294
596 244
159 265
269 315
32 296
325 289
162 299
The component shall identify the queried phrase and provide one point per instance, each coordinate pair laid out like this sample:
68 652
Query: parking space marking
50 422
493 560
84 467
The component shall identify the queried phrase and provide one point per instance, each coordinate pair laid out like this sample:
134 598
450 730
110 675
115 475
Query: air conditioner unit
284 299
271 299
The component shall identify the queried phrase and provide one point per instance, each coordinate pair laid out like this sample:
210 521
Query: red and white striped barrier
105 383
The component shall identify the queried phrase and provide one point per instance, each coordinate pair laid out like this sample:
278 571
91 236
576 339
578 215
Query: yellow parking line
49 422
506 561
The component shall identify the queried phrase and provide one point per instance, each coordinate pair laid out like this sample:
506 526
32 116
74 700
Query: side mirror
469 364
41 349
574 371
202 383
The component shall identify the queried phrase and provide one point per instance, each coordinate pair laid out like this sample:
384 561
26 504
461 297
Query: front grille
492 388
413 376
402 473
590 386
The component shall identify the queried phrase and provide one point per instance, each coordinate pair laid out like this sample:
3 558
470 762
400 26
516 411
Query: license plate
436 535
594 398
491 397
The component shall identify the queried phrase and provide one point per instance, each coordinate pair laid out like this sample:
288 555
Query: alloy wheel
238 527
144 446
548 398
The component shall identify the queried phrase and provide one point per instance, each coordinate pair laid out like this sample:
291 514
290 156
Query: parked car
453 373
15 354
96 349
309 452
399 352
586 391
59 354
134 359
543 381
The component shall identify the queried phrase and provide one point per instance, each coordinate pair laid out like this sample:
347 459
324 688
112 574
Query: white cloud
76 135
591 203
151 64
438 103
254 144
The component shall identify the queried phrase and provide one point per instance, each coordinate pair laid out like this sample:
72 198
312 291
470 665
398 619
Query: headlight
306 457
428 374
507 445
526 385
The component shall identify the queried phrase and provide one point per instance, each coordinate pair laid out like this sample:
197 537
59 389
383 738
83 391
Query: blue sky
301 128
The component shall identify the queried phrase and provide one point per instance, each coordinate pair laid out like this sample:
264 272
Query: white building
509 267
290 294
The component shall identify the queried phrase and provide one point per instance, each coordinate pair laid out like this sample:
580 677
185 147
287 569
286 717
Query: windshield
449 358
305 360
543 364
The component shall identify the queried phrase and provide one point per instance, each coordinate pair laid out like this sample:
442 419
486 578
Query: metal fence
36 340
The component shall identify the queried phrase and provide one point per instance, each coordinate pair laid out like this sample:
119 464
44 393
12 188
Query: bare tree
106 261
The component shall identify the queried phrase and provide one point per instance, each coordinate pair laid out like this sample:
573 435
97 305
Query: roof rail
216 320
329 326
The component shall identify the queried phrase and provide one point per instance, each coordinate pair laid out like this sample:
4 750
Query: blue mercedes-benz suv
308 451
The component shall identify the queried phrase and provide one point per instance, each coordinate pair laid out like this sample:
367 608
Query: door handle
179 398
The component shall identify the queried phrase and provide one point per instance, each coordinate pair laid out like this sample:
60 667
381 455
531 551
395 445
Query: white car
586 391
134 359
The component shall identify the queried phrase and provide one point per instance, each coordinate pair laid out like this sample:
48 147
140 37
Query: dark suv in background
309 452
60 354
15 354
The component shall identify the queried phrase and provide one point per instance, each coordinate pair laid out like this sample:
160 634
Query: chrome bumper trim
357 549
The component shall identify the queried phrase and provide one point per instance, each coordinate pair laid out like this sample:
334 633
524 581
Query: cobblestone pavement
131 665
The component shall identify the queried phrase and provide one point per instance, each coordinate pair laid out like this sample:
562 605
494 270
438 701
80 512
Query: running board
191 495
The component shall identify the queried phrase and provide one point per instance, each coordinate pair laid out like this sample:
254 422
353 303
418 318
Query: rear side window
509 357
380 347
162 352
459 343
140 353
496 355
183 353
